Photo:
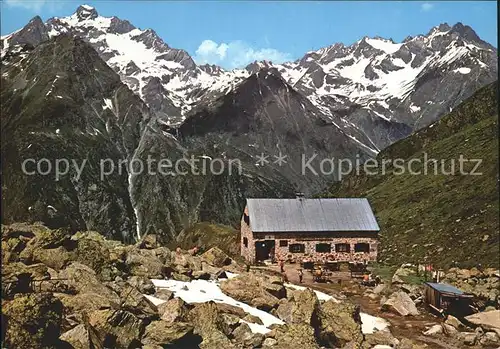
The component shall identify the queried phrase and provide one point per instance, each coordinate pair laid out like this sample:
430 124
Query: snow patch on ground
201 291
381 115
371 324
156 301
107 104
321 296
231 275
414 108
256 328
462 70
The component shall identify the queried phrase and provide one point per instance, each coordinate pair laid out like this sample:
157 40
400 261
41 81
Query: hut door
263 249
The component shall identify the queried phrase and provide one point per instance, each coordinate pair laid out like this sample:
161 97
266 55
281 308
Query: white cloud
236 54
34 5
426 6
210 51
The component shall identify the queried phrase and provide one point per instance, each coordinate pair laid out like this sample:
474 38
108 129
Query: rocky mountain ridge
374 87
88 86
439 211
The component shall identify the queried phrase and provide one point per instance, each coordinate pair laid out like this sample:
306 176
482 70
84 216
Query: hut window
283 243
245 242
323 248
246 218
297 248
362 247
343 248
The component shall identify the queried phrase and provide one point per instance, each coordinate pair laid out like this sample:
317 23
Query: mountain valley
92 87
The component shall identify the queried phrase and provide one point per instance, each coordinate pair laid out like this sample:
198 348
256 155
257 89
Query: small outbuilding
447 299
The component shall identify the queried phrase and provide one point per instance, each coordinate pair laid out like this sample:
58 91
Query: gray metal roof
445 288
311 215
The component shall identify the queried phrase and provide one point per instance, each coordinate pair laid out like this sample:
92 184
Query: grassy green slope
441 219
206 235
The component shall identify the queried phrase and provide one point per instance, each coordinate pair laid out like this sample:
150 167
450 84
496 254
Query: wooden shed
447 299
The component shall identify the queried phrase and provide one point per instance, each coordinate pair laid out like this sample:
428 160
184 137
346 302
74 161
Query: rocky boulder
230 309
174 310
484 284
78 306
251 289
143 284
381 289
50 247
175 335
487 319
55 258
84 280
164 294
380 338
117 328
17 277
48 238
400 303
163 254
434 330
414 291
82 337
15 237
209 324
243 337
468 338
300 307
490 339
146 263
133 301
253 319
32 321
449 330
95 254
216 257
339 324
295 336
454 322
148 241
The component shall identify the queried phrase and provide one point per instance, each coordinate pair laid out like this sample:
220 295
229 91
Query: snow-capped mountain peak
86 12
371 85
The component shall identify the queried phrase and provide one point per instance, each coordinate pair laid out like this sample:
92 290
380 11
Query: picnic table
332 265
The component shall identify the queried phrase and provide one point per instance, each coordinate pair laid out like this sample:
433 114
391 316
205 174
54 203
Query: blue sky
234 33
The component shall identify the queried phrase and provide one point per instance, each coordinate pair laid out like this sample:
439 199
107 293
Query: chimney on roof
299 196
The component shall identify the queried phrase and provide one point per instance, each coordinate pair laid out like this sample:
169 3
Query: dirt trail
350 289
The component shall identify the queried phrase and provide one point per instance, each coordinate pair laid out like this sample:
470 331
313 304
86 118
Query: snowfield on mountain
375 86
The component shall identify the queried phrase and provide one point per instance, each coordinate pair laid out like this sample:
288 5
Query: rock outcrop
400 303
102 297
484 284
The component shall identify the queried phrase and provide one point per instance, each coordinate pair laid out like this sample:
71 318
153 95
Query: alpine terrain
446 217
89 88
